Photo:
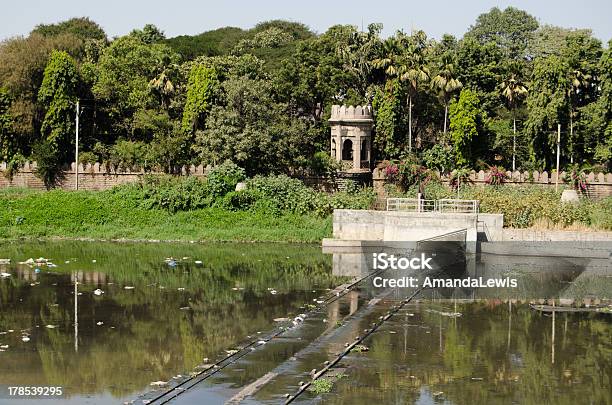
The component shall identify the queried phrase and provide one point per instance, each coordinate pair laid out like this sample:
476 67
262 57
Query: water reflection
494 353
165 323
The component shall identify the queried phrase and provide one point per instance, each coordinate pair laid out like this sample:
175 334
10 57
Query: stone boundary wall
599 184
91 177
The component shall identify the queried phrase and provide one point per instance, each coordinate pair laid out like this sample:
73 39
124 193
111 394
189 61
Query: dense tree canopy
262 97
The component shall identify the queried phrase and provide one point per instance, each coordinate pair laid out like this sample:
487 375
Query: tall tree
446 83
58 93
202 89
466 121
514 91
510 29
547 104
414 72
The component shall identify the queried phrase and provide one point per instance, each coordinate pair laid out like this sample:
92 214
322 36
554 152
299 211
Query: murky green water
494 353
153 320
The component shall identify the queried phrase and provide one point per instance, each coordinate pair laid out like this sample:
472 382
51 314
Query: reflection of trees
152 338
476 346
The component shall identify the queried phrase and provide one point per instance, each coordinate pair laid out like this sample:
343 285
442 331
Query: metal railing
444 205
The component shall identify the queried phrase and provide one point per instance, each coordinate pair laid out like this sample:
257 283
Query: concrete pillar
357 152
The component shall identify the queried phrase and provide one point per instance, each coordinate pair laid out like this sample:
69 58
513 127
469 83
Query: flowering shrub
391 171
577 178
405 174
496 176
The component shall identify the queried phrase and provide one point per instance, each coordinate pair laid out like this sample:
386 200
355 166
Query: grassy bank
108 215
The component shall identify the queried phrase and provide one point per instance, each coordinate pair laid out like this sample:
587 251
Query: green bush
223 178
13 166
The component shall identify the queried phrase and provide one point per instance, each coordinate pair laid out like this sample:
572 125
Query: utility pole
558 153
76 158
514 147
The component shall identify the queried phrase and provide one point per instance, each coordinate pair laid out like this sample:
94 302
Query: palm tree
446 83
357 53
578 82
414 71
513 90
391 62
164 87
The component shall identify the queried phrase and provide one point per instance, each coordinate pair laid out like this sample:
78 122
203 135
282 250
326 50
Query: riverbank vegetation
262 97
273 208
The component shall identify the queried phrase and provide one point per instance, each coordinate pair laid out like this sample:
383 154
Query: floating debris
198 262
281 319
360 348
37 270
25 339
100 323
231 351
128 287
449 314
185 308
158 383
273 292
5 261
51 326
181 288
5 275
4 347
97 291
94 261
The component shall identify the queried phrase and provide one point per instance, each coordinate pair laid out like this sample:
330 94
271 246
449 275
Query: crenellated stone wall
599 184
91 177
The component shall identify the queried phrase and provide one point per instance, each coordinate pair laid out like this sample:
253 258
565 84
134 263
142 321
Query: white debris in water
5 275
262 342
100 323
158 383
4 346
281 319
128 287
11 330
5 261
181 288
25 339
185 308
273 292
231 351
97 291
94 261
198 262
51 326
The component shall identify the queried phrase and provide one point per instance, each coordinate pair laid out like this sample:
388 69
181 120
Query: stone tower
351 137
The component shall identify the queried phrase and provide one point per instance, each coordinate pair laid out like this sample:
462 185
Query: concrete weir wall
362 225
